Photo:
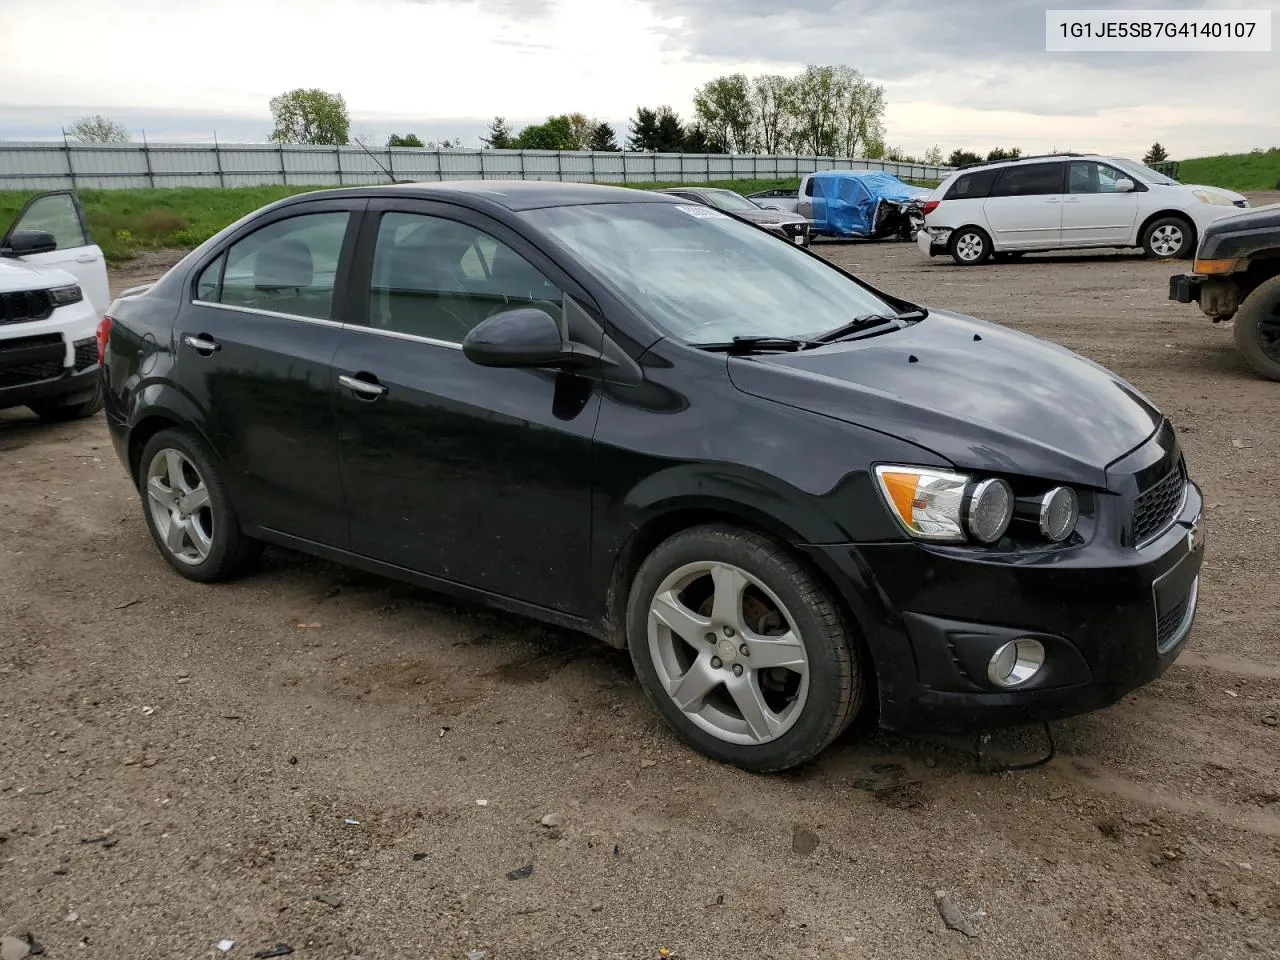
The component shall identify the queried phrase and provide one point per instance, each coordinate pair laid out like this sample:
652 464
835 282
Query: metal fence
50 166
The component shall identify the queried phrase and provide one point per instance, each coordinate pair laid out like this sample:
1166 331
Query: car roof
1037 158
514 195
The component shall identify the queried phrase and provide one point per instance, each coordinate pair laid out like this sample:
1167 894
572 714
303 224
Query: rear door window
289 266
1028 180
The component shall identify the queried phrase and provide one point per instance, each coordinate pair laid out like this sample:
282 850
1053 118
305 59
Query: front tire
1169 238
188 511
59 411
1257 329
746 656
969 246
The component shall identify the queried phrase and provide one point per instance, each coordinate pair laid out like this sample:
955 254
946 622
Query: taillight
104 333
930 206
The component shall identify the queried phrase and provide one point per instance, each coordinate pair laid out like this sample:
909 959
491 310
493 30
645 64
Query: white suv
53 294
1067 201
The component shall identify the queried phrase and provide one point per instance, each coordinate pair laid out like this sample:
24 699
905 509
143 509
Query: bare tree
98 129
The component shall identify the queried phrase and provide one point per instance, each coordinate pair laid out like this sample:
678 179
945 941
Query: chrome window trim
397 335
269 313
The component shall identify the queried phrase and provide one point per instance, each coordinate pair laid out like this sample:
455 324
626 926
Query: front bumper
1111 618
34 368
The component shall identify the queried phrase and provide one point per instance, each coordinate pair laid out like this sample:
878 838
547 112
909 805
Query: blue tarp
845 201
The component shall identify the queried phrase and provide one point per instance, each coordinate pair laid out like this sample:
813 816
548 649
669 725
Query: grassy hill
1239 171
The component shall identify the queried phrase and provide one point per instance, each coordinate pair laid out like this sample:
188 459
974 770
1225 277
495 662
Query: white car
1066 202
53 295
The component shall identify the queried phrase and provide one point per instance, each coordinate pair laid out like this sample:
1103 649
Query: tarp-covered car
853 203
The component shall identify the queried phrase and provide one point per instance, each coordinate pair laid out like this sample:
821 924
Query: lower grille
1171 626
25 305
1158 505
86 353
30 373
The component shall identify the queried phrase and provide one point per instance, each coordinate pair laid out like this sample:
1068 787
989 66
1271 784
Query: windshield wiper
865 322
752 344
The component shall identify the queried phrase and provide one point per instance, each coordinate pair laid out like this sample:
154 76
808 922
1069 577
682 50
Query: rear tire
1257 329
58 410
969 246
1169 238
703 596
188 512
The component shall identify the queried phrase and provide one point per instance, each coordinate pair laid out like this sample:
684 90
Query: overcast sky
958 73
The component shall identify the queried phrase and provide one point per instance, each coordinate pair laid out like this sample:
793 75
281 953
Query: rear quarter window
970 185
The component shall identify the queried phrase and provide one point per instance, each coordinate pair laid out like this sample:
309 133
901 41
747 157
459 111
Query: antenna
379 163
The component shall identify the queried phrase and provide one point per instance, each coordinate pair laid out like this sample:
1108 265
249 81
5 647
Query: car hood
982 396
1222 190
16 275
770 216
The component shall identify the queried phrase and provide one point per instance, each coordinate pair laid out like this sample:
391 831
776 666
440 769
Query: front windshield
704 277
1146 173
728 200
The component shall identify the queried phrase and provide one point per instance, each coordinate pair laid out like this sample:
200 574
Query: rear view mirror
24 242
524 337
1124 185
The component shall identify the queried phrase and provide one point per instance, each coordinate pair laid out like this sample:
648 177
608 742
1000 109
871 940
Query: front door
1025 206
253 347
59 213
1094 213
476 475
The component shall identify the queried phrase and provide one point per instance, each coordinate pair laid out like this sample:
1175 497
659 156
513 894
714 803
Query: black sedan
789 226
791 496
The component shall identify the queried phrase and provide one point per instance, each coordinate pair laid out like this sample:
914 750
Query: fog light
1016 662
1059 511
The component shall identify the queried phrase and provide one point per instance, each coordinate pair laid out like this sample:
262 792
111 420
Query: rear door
60 214
1093 211
1024 208
253 346
476 475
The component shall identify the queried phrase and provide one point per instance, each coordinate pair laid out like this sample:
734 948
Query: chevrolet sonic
791 496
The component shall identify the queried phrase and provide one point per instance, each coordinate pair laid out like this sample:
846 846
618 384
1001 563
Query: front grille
795 229
30 373
1170 624
86 353
24 306
1157 506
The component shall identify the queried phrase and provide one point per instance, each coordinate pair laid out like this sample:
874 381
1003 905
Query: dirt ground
178 762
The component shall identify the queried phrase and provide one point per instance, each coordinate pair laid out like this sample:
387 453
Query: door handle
202 344
1073 200
86 258
1054 200
364 389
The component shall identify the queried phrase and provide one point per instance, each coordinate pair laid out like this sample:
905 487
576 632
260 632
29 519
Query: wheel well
1142 230
141 435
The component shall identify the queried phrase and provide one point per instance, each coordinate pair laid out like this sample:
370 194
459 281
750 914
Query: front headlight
1217 199
946 507
65 296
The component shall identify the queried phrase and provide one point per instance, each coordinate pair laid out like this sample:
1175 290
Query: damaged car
867 204
789 226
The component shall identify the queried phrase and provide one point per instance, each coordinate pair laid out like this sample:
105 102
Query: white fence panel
47 166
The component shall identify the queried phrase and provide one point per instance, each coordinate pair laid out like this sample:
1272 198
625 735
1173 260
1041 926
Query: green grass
1241 171
127 222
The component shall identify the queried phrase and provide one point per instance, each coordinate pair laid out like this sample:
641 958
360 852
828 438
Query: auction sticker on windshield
704 213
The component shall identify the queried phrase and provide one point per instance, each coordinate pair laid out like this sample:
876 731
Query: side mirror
24 242
1124 185
524 337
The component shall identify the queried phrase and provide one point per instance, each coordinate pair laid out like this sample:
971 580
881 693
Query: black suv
790 495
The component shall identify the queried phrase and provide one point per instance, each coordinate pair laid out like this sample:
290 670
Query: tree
555 134
602 138
959 158
933 156
698 140
1157 154
874 150
898 155
861 110
816 107
724 111
1000 153
644 130
581 128
448 143
98 129
408 140
500 137
310 116
670 133
771 96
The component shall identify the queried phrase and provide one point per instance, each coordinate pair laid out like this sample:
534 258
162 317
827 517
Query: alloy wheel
180 506
727 653
969 247
1166 240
